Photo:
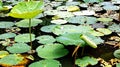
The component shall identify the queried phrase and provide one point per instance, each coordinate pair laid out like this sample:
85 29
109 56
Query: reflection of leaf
25 23
46 63
24 37
5 24
7 35
51 51
45 39
18 48
71 39
85 61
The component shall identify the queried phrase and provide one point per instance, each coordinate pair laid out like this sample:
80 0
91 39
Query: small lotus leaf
92 1
27 9
104 31
85 61
114 27
24 37
71 39
25 23
48 28
46 63
62 8
96 33
18 48
111 7
59 21
73 8
73 3
51 51
3 54
64 14
118 65
11 59
51 12
117 53
5 24
7 35
84 12
45 39
105 19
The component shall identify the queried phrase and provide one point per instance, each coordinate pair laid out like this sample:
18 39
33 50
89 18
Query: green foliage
105 31
92 1
105 19
5 24
11 59
3 53
7 35
117 53
46 63
114 27
46 39
85 61
111 7
118 65
71 39
24 37
25 23
51 51
18 48
27 9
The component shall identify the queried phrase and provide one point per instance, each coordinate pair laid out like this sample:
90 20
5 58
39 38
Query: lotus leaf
111 7
25 23
48 28
64 14
71 39
51 51
7 35
106 3
59 21
84 12
104 31
27 9
56 4
46 63
51 12
62 8
84 5
85 61
105 19
117 53
46 39
92 1
73 3
73 8
18 48
5 24
118 65
114 27
11 59
24 38
96 33
3 54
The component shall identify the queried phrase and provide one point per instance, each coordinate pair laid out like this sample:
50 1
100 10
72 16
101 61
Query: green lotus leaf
84 12
24 37
51 51
48 28
7 35
118 65
92 1
96 33
27 9
4 24
117 53
51 12
18 48
85 61
46 63
64 14
62 8
71 39
73 3
114 27
3 54
11 59
59 21
105 19
25 23
111 7
104 31
46 39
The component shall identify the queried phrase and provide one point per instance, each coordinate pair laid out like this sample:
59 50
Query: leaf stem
30 32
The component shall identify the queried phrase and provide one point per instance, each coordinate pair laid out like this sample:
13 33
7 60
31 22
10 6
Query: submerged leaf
51 51
46 63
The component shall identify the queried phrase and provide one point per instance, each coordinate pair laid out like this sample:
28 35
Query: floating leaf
105 19
73 8
51 51
96 33
3 54
51 12
64 14
84 12
27 9
71 39
92 1
59 21
46 63
104 31
73 3
114 27
7 35
18 48
111 7
118 65
11 59
117 53
24 37
45 39
85 61
25 22
5 24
